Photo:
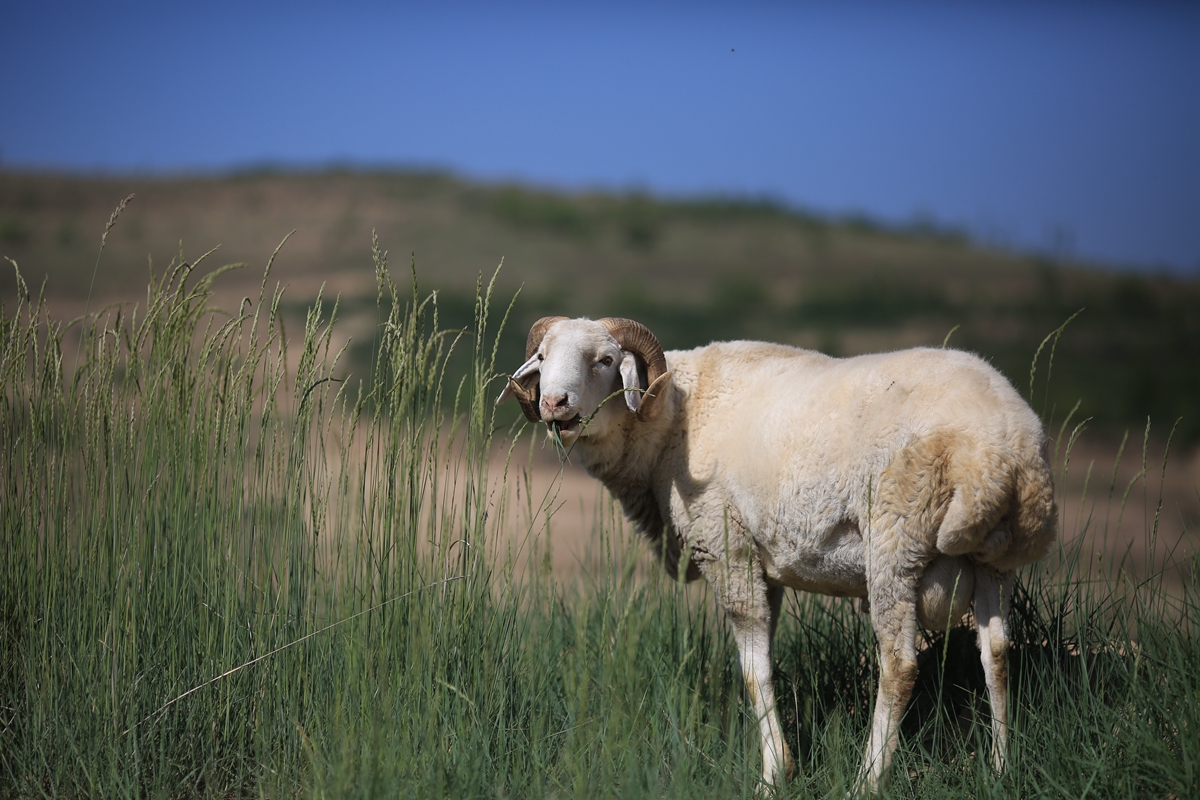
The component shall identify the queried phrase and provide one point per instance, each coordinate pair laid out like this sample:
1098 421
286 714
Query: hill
693 270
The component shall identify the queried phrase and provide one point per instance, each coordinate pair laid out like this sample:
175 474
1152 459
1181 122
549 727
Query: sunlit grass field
232 569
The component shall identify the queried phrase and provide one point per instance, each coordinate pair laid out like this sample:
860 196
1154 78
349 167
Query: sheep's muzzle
571 425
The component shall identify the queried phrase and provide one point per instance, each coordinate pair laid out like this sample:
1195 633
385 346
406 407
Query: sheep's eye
541 357
607 361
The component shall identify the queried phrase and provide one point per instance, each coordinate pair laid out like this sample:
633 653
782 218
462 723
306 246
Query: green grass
232 570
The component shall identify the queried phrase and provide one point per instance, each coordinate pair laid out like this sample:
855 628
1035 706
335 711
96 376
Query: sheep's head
577 369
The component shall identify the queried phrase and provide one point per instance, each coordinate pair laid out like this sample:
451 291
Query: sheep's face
579 371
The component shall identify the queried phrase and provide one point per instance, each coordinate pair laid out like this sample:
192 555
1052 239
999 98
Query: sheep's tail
1035 513
1002 510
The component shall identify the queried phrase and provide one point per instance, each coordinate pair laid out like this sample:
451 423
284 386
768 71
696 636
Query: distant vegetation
693 270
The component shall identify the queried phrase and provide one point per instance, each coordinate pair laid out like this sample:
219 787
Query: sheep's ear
652 399
644 401
531 367
631 381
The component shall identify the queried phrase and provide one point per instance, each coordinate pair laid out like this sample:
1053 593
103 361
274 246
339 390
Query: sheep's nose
555 402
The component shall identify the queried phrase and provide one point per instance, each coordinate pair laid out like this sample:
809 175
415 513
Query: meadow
233 571
233 567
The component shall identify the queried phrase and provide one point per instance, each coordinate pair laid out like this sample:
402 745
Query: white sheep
917 479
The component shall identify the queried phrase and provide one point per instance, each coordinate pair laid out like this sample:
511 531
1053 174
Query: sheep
918 479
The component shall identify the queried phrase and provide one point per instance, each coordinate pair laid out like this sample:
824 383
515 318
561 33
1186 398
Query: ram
917 479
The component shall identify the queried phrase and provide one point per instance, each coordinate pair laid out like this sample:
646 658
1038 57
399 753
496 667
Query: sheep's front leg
992 593
752 607
894 618
753 632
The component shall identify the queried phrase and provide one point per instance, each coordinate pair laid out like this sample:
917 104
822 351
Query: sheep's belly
830 563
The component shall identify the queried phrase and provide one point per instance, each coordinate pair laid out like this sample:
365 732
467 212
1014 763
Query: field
249 553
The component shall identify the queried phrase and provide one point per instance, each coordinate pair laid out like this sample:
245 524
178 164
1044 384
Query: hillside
693 271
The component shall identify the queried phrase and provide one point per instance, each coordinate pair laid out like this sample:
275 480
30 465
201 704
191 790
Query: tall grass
230 569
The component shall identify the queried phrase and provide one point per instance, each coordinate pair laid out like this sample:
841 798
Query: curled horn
526 399
637 339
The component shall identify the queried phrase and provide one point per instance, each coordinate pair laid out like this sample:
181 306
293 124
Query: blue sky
1051 126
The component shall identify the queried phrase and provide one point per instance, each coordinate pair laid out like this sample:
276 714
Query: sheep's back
797 438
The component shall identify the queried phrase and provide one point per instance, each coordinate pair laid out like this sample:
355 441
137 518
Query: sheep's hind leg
992 593
894 618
